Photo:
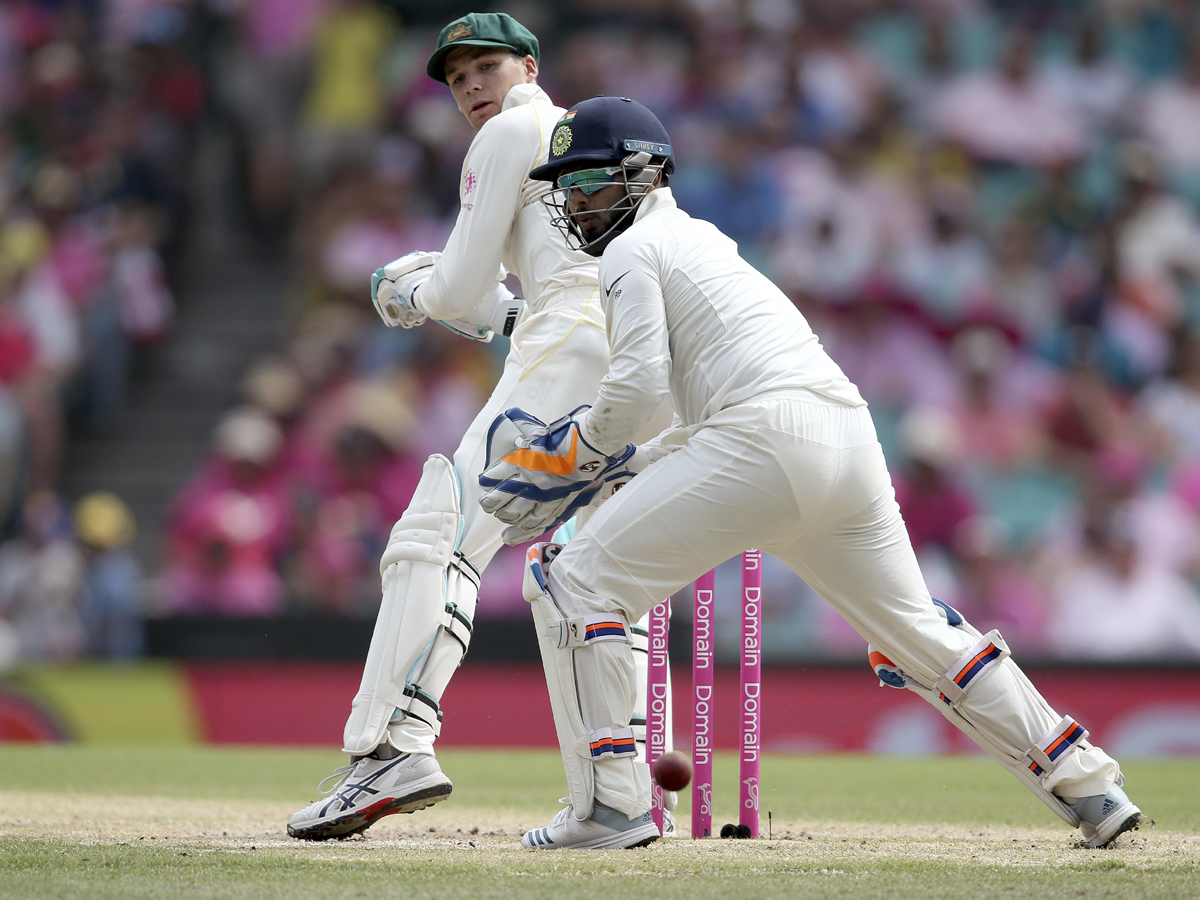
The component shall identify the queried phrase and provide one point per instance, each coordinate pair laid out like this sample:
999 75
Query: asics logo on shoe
349 792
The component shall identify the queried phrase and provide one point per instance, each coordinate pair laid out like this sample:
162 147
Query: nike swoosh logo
608 291
537 461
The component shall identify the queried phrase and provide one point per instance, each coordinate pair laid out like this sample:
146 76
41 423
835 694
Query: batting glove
496 313
393 287
539 475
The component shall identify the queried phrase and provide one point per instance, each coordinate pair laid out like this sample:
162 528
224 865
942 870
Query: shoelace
561 816
341 774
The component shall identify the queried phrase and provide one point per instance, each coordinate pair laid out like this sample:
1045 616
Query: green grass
34 871
71 825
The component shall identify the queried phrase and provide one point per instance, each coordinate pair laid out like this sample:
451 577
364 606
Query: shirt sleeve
493 174
666 441
639 353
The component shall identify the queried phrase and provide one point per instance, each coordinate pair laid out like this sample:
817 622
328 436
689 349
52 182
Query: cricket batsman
559 351
774 449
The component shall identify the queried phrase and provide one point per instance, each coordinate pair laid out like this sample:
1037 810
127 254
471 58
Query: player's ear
531 68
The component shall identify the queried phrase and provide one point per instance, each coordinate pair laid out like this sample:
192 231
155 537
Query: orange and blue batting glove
538 476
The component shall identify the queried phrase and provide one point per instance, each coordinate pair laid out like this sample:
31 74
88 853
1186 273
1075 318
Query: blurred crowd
98 108
989 211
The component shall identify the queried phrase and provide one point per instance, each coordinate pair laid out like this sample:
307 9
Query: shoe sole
611 842
1132 819
359 820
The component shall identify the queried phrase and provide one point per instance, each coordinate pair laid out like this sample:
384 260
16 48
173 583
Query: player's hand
539 475
612 482
620 476
393 287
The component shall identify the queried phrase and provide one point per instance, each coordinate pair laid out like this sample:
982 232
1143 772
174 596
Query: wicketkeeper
559 352
774 449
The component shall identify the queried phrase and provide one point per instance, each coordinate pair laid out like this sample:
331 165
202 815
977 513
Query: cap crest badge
458 32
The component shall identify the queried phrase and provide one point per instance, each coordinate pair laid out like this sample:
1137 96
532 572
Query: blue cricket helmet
605 130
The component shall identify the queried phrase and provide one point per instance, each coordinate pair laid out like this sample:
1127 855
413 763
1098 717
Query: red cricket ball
672 771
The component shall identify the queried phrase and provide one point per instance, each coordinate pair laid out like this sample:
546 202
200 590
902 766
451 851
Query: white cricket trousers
555 364
804 480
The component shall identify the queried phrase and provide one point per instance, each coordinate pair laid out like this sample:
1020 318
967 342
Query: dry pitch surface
209 823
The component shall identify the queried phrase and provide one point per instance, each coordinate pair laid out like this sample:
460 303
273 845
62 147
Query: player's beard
606 223
602 221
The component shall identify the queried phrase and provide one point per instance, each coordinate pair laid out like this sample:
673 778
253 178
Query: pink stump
658 699
751 653
702 706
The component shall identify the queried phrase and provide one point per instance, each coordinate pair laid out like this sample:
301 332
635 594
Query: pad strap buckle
458 625
581 631
460 562
429 711
1045 756
614 742
989 651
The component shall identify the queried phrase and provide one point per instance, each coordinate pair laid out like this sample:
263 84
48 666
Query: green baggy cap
481 30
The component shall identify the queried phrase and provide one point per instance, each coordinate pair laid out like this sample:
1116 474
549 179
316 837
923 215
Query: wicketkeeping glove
539 475
393 285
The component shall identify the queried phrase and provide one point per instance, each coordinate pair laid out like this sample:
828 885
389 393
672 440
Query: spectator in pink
230 526
363 485
1009 114
932 500
1114 604
1000 396
1088 415
996 590
889 351
42 338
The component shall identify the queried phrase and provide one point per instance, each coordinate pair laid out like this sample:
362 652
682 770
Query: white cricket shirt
502 221
688 316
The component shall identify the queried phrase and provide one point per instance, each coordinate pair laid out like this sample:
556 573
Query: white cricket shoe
1104 817
370 789
607 829
669 830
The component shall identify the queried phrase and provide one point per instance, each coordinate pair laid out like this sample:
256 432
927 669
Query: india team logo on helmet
561 142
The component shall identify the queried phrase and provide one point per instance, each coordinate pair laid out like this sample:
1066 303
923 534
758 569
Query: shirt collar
656 201
520 94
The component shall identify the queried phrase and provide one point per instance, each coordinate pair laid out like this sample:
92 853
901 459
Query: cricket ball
672 771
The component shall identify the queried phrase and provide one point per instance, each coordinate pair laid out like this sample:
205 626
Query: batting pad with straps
589 667
987 696
424 623
640 635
